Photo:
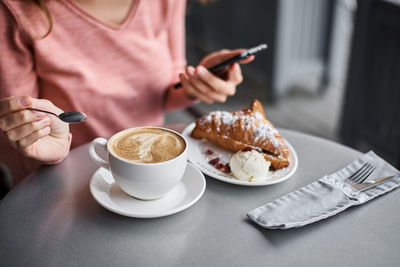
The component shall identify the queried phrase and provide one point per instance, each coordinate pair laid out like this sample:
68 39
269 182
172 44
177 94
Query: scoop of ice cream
250 166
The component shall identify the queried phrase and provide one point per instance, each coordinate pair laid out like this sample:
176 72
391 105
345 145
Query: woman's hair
42 5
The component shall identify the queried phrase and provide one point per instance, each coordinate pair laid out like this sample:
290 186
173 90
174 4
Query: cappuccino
147 145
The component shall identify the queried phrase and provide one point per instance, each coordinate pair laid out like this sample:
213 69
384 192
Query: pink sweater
117 75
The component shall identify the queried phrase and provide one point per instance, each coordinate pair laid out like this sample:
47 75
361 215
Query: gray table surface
51 219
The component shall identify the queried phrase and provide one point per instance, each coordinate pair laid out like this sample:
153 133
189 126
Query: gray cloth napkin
325 197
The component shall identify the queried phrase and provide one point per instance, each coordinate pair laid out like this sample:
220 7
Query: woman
113 60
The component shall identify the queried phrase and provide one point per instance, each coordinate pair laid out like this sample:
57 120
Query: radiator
300 58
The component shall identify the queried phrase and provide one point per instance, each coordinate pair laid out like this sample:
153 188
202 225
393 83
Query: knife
368 184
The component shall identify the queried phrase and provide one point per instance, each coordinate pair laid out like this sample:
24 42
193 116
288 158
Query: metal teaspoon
69 117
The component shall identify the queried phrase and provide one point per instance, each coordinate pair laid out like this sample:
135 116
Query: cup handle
93 155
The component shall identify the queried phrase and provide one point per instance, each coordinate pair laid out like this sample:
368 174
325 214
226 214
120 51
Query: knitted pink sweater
117 75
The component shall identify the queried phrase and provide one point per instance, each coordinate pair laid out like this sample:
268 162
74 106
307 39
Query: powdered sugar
253 122
263 131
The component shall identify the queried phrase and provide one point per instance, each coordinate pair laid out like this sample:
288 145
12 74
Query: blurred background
332 68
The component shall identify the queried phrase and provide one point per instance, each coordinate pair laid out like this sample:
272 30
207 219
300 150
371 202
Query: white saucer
108 194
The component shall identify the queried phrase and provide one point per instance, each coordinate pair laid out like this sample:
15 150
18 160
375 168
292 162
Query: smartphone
221 66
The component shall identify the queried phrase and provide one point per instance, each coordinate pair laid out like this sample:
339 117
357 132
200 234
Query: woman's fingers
192 92
14 103
247 60
22 127
208 87
33 137
204 89
216 84
21 132
235 74
222 55
19 118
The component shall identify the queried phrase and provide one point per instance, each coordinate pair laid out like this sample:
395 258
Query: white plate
109 195
197 155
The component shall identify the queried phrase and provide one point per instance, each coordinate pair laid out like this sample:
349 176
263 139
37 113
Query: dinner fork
361 174
356 180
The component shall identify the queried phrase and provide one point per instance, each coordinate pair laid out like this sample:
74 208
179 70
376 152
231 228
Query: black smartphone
221 66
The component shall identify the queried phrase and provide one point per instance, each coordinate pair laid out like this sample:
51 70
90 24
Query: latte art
147 145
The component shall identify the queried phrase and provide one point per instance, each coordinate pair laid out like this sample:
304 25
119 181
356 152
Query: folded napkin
325 197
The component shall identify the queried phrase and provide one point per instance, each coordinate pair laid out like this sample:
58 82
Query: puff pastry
244 128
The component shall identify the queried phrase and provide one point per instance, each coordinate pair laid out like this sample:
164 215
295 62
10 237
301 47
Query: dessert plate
109 195
198 156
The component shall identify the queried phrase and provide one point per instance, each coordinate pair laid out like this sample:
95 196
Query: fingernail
190 71
25 101
45 120
46 129
201 70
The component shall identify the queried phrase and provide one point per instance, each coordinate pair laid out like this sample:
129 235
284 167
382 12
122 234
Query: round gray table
51 219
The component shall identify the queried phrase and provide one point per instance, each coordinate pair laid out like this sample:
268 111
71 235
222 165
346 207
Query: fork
356 180
361 175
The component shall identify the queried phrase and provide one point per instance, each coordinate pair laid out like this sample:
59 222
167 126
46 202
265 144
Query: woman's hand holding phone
199 83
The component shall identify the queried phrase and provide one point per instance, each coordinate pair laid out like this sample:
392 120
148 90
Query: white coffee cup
146 181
